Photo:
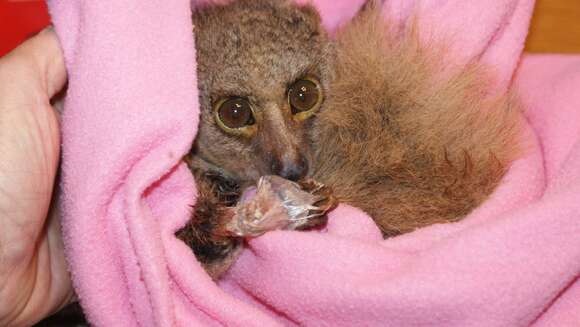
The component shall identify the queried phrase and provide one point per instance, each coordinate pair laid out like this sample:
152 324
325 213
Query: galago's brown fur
392 137
409 147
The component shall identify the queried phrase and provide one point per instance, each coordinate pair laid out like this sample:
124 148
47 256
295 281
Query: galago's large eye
234 115
304 97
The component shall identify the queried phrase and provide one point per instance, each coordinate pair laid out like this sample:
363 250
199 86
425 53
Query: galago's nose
292 169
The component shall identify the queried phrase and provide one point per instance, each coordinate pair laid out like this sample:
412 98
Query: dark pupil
236 113
303 95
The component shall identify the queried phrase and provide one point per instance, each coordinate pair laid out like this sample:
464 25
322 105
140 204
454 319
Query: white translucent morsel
276 203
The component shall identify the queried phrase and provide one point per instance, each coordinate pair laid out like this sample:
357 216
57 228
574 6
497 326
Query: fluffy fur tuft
394 138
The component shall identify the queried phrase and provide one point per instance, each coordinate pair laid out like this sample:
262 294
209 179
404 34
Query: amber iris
236 113
303 95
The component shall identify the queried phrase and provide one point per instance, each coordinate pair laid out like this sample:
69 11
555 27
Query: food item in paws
277 203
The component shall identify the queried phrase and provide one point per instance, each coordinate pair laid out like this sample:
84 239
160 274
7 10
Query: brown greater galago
367 114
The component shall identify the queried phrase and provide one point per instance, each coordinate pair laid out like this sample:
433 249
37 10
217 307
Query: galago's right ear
368 7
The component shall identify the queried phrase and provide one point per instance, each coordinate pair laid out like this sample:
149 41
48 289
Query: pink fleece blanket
131 113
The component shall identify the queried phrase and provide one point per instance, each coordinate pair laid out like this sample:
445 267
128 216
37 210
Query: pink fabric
131 113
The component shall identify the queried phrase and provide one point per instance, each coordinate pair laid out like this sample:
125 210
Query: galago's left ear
310 13
307 15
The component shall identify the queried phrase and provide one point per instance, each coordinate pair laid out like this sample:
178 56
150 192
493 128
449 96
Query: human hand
34 281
